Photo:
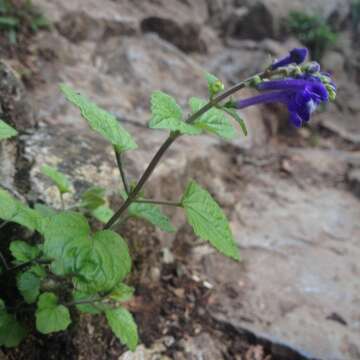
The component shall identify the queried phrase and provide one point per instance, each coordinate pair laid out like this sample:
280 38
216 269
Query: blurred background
292 196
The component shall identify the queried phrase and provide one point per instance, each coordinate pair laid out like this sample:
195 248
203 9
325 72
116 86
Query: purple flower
296 56
302 95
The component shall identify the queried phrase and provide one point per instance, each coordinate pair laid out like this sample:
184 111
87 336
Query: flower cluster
301 89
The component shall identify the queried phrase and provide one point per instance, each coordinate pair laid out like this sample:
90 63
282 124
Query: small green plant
16 17
66 262
312 31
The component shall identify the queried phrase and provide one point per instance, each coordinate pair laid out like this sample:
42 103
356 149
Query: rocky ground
292 196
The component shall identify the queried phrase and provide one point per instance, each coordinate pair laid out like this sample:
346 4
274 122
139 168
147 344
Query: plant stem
62 201
158 202
3 260
172 137
84 301
122 172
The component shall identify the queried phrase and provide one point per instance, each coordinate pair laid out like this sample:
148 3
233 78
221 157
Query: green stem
62 201
84 301
122 172
168 142
158 202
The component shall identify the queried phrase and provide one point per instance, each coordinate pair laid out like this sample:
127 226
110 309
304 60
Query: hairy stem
158 202
122 172
164 147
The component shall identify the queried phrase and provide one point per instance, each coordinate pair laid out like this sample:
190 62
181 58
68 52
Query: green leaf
8 22
100 120
66 235
103 263
44 213
213 121
151 213
6 131
38 270
208 220
124 327
236 116
88 308
167 114
102 213
50 316
15 211
29 286
11 331
93 198
122 292
23 252
58 178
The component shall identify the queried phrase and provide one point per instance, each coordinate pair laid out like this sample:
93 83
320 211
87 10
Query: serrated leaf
11 331
152 214
124 327
102 213
98 308
50 316
103 263
15 211
6 131
208 220
100 120
23 252
66 235
167 114
29 286
122 292
93 198
58 178
236 116
213 121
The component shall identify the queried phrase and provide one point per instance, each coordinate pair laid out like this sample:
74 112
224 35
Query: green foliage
70 260
23 252
214 84
102 213
20 16
6 131
50 315
11 331
28 284
58 178
312 31
237 118
103 262
208 220
213 121
93 198
15 211
65 235
123 326
91 307
167 114
151 213
122 292
100 120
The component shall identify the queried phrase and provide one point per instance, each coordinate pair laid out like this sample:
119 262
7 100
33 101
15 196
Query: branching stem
168 142
122 172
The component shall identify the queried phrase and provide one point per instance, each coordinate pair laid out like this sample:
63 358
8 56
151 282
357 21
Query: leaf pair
167 114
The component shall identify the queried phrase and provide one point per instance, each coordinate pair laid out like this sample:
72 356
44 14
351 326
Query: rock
334 63
353 178
16 110
176 34
299 265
